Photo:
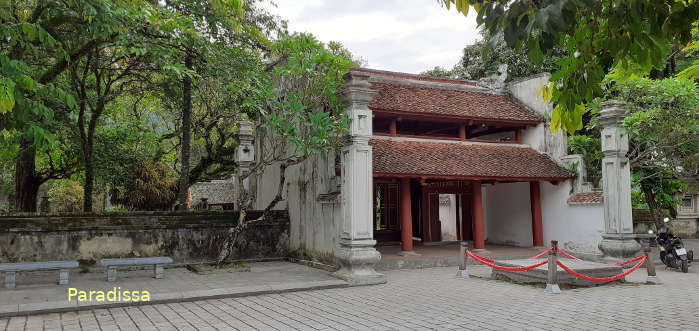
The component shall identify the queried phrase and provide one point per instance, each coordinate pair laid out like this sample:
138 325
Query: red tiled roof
413 76
589 197
423 100
443 159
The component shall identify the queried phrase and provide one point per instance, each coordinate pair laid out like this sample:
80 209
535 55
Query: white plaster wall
447 216
508 216
578 228
314 225
540 138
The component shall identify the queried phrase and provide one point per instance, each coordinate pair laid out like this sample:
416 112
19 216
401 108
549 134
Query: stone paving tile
37 290
424 299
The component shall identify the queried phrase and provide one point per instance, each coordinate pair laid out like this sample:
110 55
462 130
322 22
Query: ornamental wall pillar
618 240
356 251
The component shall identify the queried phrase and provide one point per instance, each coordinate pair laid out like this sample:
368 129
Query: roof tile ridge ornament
399 78
495 81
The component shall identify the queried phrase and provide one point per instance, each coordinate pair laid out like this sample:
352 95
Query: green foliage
591 149
597 35
66 196
690 53
663 125
483 58
153 187
439 72
306 109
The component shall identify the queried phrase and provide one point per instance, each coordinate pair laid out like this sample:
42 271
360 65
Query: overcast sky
398 35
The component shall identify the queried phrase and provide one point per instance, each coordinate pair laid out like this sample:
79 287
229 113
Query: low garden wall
187 237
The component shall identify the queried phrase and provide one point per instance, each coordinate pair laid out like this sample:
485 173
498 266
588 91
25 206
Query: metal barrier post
552 282
650 268
462 272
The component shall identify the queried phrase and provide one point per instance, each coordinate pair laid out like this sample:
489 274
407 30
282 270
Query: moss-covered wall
186 237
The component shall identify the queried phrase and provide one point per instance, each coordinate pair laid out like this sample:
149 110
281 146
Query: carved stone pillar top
245 152
356 95
612 114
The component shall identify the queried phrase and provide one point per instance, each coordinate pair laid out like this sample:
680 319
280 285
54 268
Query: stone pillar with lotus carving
618 240
356 251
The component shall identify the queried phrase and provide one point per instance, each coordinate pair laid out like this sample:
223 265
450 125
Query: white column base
553 288
357 259
653 280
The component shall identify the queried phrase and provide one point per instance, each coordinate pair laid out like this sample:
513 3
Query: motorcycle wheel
684 266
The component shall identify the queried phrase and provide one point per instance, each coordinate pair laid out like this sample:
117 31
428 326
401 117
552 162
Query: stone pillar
537 223
406 218
245 154
477 208
356 251
618 240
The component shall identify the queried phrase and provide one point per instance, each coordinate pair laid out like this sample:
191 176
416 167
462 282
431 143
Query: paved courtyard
413 299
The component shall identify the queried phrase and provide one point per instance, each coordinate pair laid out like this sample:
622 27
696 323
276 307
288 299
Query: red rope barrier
604 279
630 261
482 261
568 255
540 254
480 257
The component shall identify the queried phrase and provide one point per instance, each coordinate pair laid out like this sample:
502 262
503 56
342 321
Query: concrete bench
157 263
11 270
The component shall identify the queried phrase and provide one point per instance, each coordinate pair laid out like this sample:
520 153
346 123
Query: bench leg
158 271
63 277
9 279
111 273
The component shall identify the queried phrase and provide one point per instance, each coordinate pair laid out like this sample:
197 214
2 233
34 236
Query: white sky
398 35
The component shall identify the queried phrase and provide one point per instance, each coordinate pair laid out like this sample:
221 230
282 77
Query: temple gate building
430 160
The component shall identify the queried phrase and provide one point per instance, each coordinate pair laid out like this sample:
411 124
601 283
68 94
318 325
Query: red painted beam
386 113
537 223
406 228
478 223
469 178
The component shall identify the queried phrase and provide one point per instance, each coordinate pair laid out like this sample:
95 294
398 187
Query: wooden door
466 218
435 223
386 217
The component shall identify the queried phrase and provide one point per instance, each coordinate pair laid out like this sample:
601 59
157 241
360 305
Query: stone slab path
420 299
37 291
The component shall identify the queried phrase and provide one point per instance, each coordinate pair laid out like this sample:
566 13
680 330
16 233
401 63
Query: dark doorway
386 214
431 225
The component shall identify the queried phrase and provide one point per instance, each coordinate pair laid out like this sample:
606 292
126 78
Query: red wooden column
406 218
537 224
462 131
477 208
392 127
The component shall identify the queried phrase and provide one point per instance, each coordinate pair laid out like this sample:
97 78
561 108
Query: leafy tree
439 72
151 187
663 125
43 39
302 115
484 57
66 196
598 35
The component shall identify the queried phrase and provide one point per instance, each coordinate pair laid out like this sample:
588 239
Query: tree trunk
186 134
88 188
652 206
26 182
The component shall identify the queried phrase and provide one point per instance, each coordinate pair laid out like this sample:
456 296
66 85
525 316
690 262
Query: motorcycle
672 250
